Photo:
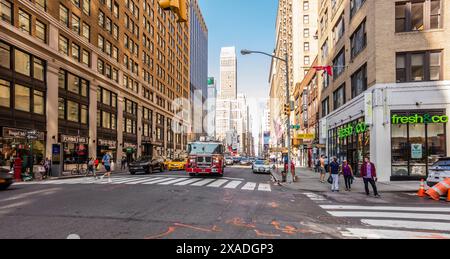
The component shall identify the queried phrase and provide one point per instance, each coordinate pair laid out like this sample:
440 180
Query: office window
73 111
101 19
63 45
418 15
6 11
38 69
339 29
64 15
87 7
325 107
86 31
41 31
76 3
22 98
5 93
355 5
84 114
86 58
76 24
22 62
5 55
76 52
306 46
305 5
42 4
101 66
419 66
24 22
358 40
339 97
359 81
339 64
73 84
61 109
38 101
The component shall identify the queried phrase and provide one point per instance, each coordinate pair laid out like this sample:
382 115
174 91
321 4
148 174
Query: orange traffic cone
421 192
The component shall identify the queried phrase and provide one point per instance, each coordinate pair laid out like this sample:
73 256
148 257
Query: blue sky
246 24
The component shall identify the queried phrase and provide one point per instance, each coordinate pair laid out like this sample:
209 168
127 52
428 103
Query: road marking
173 181
249 186
189 181
232 184
435 226
217 183
371 214
264 187
315 197
129 181
203 182
146 180
391 234
158 181
384 208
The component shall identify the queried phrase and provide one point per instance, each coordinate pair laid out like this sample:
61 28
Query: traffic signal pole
290 179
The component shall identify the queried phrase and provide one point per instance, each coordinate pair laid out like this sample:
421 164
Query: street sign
306 136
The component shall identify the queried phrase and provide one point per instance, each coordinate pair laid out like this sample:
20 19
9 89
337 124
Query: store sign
351 130
23 134
108 143
306 136
419 119
73 139
416 151
129 146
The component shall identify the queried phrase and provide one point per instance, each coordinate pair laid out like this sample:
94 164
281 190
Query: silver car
439 171
261 166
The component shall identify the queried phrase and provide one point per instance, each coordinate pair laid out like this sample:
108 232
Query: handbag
330 180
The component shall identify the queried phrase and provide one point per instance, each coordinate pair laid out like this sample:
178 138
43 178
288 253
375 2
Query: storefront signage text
351 130
73 139
108 143
306 136
419 119
23 134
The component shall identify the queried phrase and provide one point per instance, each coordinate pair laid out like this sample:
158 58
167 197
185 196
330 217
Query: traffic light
287 110
179 7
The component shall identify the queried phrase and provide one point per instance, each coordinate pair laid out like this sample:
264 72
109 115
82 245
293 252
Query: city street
239 205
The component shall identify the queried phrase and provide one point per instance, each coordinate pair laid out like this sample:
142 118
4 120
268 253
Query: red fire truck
205 158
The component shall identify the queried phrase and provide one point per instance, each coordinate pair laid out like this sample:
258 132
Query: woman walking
347 171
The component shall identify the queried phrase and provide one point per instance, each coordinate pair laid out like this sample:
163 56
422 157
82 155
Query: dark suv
147 165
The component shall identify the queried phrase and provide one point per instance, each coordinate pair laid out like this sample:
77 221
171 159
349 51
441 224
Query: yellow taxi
176 165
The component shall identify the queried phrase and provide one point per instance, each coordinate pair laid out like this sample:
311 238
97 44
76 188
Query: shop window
22 62
38 69
38 101
73 110
5 55
22 98
5 93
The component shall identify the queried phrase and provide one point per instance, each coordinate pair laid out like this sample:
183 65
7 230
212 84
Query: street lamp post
288 102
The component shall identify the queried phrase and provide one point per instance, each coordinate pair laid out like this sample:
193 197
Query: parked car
176 164
261 166
6 178
245 161
237 160
147 165
229 161
439 171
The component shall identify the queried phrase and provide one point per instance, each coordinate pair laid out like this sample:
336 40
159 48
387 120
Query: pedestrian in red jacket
369 175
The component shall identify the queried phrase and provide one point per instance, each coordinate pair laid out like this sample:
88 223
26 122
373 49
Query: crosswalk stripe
159 181
121 181
264 187
173 181
249 186
146 180
232 184
384 208
391 234
203 182
436 226
189 181
217 183
376 214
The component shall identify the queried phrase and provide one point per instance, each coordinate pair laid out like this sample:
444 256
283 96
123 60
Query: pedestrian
92 168
123 165
347 171
322 169
106 160
292 170
369 175
335 173
46 164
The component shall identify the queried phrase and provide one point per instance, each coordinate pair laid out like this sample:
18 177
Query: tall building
91 77
228 73
211 107
198 68
388 96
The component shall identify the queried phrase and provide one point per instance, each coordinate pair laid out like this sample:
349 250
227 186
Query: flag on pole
326 69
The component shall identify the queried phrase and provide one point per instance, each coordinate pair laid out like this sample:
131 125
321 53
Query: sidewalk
308 180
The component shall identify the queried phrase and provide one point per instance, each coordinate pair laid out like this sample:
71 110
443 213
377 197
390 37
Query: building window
86 31
22 62
339 64
42 4
38 69
6 11
418 15
61 109
63 45
64 15
76 52
355 5
339 97
87 7
358 40
307 60
306 19
41 31
73 111
306 46
24 22
22 98
419 66
325 107
359 81
86 58
38 102
76 24
5 55
339 30
306 6
5 93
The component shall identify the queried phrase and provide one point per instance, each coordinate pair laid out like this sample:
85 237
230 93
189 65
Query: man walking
322 170
334 173
369 175
107 164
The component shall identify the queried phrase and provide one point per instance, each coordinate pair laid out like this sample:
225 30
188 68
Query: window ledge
418 32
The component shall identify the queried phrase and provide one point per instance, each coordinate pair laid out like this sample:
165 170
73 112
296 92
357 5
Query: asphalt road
171 205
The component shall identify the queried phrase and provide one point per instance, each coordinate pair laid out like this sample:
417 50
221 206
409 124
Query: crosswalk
394 222
230 183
